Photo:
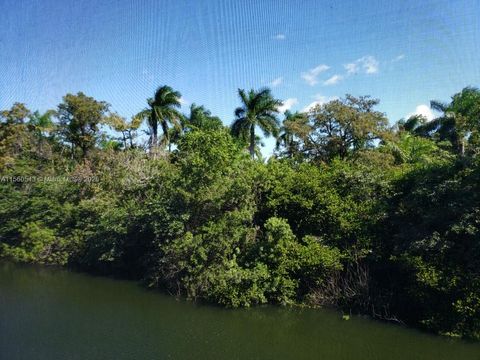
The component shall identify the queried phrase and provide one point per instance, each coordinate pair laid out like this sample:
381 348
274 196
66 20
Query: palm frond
438 106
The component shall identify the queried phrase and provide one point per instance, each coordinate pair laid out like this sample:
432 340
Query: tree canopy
350 212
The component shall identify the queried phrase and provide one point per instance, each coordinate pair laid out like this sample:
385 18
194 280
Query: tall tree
341 128
201 118
162 110
17 114
41 124
414 124
15 138
287 137
259 108
126 128
459 121
80 117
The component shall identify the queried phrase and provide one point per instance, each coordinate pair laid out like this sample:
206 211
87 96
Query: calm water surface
56 314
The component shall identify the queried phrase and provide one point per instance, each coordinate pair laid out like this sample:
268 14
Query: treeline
350 212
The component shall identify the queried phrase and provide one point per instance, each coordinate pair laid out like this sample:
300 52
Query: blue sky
403 52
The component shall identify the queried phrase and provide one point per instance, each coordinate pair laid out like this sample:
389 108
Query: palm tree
414 124
162 111
258 109
201 118
287 131
458 118
447 126
42 125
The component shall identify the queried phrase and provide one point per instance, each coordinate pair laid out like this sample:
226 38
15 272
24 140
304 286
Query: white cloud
311 76
276 82
319 100
279 37
351 68
424 110
333 80
369 64
366 64
287 104
398 58
183 101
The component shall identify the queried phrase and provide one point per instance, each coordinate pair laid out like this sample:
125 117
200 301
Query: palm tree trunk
130 138
154 138
154 145
252 141
124 140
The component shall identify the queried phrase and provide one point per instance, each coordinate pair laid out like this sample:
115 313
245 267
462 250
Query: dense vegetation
350 212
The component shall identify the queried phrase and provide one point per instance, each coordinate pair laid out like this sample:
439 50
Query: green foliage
37 244
208 264
201 119
289 133
80 116
340 128
17 114
259 108
162 111
415 150
432 246
458 123
293 263
128 129
350 214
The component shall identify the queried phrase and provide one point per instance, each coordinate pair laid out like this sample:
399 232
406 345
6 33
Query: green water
56 314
